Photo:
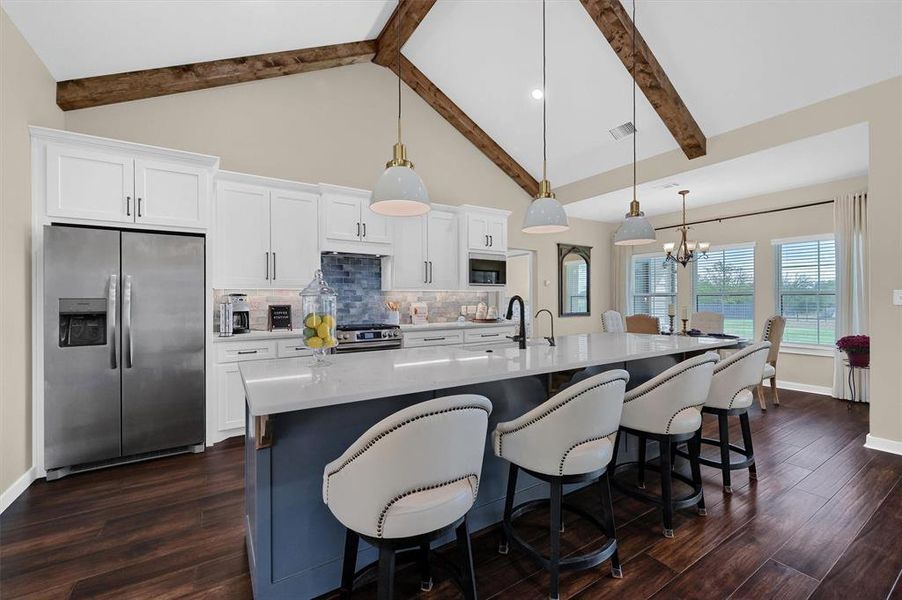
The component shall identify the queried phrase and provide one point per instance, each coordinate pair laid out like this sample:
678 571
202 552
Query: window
725 283
654 286
806 290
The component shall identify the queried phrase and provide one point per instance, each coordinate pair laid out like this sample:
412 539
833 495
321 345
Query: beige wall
880 106
761 229
27 97
337 126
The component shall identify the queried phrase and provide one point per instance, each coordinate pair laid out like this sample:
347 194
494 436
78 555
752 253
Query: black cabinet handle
267 266
128 206
438 339
491 241
358 229
247 352
364 230
425 271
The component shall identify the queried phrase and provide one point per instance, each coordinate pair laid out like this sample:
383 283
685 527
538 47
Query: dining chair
642 324
706 322
773 333
612 322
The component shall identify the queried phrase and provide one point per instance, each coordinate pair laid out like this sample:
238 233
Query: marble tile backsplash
357 280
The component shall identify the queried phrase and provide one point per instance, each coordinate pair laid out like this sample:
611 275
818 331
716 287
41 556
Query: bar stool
666 409
731 395
570 438
408 480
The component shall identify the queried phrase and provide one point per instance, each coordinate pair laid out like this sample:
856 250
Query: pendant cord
635 129
399 70
544 100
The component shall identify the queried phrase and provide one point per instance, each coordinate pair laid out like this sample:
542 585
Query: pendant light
545 214
635 229
687 250
400 192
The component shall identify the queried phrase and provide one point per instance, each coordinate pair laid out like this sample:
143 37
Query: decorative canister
319 305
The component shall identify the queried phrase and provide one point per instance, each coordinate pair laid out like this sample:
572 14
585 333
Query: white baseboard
805 387
21 484
884 445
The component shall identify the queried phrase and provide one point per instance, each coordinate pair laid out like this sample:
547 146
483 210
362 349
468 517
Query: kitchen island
299 418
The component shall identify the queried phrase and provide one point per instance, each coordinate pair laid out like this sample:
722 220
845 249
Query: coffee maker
241 313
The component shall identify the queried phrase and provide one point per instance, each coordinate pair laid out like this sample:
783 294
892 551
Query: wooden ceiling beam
149 83
443 105
411 13
615 24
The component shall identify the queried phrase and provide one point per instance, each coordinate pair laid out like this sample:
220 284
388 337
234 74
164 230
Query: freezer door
162 341
81 350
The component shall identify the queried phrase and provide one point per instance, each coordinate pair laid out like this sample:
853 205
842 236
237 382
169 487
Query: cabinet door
294 241
87 184
442 250
170 194
478 232
497 231
342 218
242 236
230 396
376 227
409 269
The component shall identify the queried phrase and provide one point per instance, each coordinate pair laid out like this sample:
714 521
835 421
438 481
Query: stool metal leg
555 555
666 486
747 443
607 507
724 429
386 586
504 546
640 475
468 573
349 564
694 447
425 570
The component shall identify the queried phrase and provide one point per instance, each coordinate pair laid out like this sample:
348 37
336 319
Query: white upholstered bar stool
408 480
731 395
667 409
570 438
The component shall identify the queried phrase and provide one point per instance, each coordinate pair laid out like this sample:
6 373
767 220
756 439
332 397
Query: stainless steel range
365 337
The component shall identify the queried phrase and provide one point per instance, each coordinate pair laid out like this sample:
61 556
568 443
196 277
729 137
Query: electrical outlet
897 297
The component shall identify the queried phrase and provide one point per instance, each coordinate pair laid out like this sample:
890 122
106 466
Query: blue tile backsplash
357 279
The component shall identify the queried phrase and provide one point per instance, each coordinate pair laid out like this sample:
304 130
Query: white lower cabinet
488 335
229 398
455 337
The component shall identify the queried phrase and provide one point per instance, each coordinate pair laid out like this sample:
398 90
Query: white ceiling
827 157
733 62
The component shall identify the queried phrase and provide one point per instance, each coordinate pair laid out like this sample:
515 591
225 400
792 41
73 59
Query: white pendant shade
545 215
400 193
634 231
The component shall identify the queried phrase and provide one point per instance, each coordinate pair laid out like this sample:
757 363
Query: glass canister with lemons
319 305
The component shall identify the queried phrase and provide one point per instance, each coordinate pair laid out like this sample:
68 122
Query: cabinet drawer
293 347
488 335
240 351
432 338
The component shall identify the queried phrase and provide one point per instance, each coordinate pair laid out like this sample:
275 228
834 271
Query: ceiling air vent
623 131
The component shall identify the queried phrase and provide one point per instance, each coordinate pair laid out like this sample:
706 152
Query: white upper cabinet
487 232
425 252
86 178
348 225
84 183
242 236
409 263
266 232
442 250
294 243
170 194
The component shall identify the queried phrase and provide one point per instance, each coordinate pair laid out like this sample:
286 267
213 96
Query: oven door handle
365 345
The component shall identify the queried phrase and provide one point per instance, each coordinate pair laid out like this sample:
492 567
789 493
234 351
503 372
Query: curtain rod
748 214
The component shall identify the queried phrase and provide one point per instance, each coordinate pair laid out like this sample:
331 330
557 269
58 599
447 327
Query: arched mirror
573 280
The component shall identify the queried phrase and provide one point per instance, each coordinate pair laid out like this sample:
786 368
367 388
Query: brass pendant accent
545 190
399 157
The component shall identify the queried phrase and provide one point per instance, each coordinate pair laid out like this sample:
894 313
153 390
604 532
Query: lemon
323 330
329 320
314 342
312 320
329 342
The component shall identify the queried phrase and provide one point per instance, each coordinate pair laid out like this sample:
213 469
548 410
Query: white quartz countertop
285 385
455 325
252 336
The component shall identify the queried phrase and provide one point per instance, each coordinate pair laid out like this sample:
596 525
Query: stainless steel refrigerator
123 346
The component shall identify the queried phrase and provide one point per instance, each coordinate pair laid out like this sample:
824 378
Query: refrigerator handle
127 322
111 320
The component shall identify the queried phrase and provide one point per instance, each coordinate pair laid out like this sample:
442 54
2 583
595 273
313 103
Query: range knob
396 333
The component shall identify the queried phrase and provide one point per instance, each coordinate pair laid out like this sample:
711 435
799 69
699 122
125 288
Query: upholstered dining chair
773 333
642 324
706 322
612 322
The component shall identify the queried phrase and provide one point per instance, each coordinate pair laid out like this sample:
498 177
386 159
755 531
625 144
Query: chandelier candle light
688 250
400 192
545 214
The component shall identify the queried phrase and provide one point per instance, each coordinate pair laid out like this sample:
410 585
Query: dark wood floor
824 520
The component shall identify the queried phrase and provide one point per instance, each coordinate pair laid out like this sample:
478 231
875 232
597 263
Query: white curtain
850 221
622 255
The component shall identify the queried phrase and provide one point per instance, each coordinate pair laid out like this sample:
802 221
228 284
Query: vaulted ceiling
733 63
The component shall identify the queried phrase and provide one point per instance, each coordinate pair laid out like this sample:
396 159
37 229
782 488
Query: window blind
725 283
806 291
654 286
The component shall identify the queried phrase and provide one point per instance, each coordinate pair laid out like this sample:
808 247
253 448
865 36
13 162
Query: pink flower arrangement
854 344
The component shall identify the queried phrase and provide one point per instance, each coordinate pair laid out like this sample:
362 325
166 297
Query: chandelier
688 250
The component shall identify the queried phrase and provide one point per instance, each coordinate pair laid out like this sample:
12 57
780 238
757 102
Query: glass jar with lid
319 306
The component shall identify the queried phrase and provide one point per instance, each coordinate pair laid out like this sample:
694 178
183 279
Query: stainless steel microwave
487 270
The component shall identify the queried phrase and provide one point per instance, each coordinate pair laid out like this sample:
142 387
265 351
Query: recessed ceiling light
537 94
